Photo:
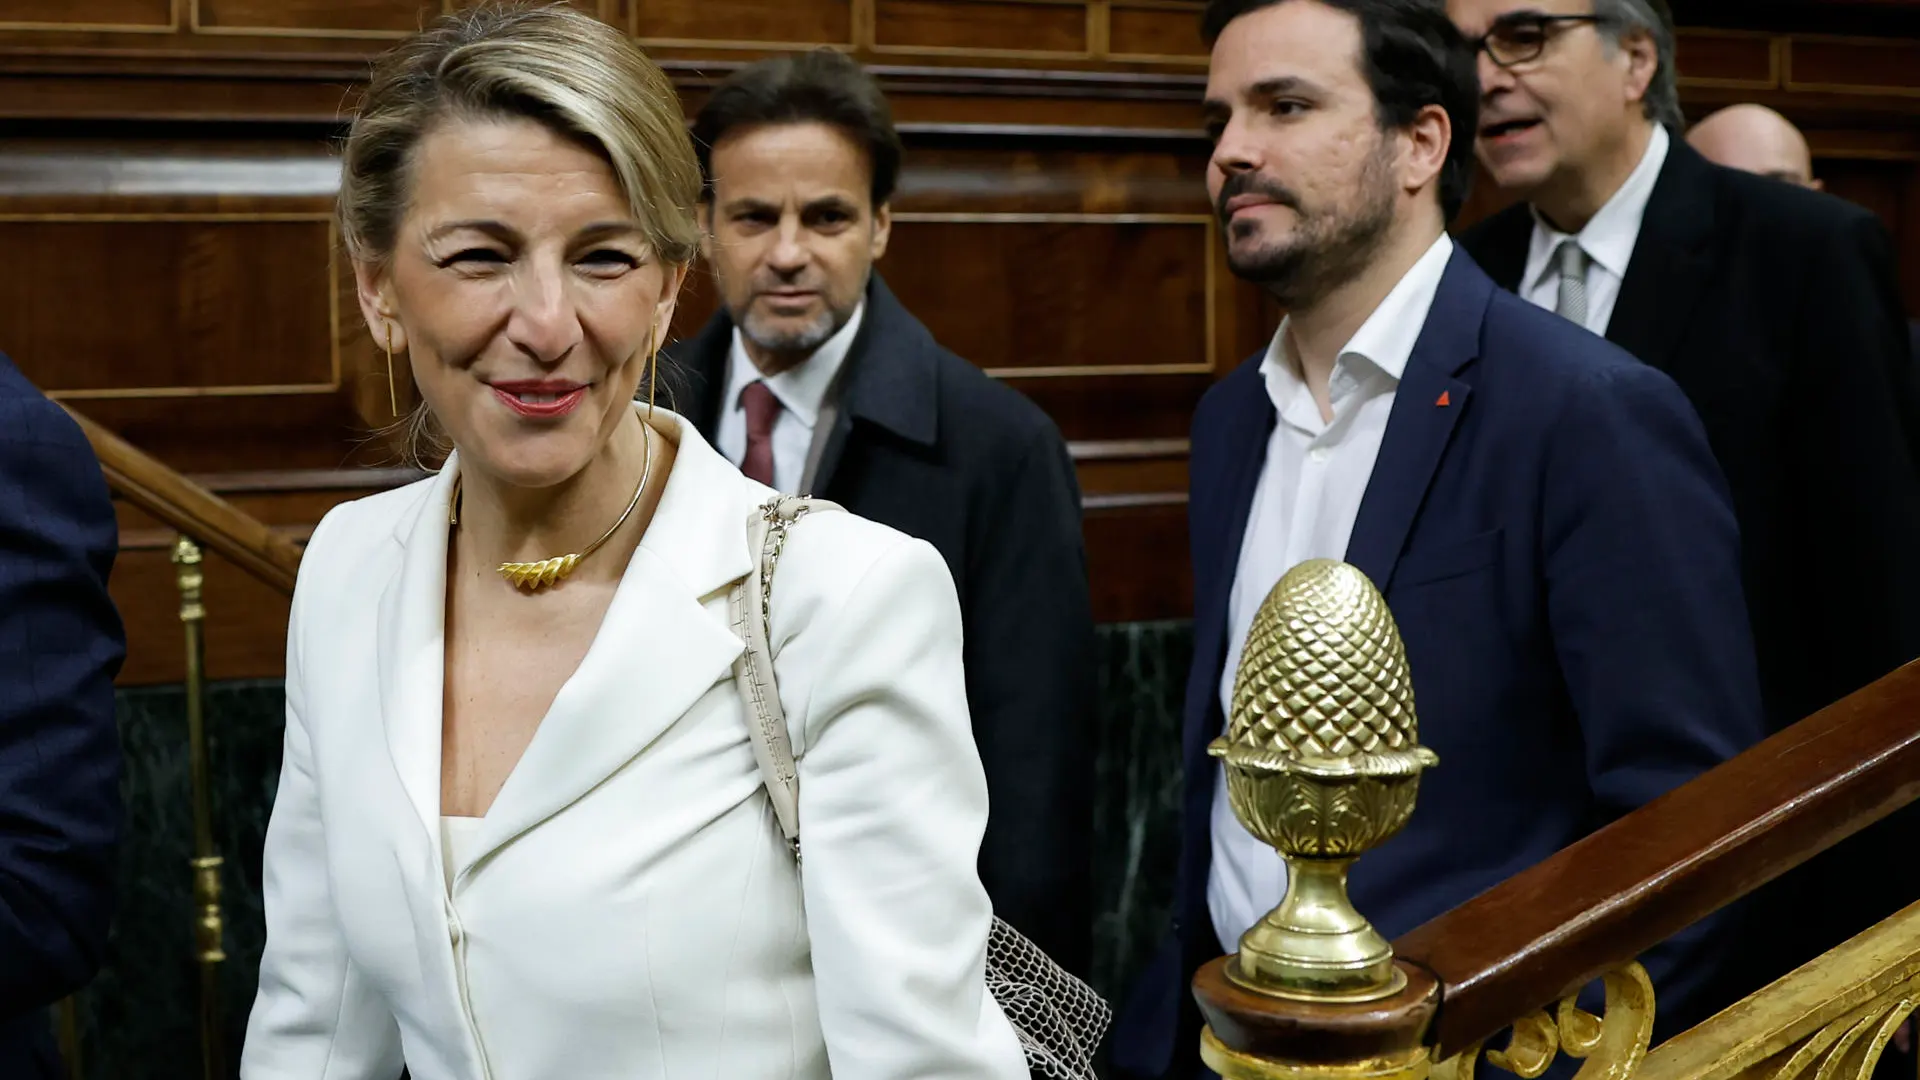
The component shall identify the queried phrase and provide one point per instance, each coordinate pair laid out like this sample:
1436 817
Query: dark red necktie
763 409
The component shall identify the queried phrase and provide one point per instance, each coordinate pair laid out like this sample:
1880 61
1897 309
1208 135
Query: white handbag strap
753 671
1058 1019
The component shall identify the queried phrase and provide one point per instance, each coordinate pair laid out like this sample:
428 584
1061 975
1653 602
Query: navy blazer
1559 551
60 647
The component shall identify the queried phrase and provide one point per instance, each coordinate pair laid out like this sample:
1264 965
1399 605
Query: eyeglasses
1522 37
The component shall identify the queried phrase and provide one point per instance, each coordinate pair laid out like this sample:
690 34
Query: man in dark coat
60 647
1776 310
814 379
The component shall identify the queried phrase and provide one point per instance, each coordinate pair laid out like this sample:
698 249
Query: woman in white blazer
520 833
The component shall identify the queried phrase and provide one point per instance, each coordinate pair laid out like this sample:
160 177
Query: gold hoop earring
653 365
393 391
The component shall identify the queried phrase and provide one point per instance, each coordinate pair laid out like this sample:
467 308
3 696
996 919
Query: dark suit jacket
60 648
1776 310
1557 548
929 444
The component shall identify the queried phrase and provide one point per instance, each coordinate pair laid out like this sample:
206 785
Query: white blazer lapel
411 647
661 647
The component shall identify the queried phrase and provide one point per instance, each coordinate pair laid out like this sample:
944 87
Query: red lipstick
540 399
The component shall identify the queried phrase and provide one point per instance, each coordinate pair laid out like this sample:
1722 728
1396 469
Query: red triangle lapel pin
1446 399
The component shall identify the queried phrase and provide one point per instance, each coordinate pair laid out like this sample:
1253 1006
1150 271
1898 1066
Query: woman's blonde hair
547 63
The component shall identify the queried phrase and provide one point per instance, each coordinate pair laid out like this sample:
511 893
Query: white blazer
628 908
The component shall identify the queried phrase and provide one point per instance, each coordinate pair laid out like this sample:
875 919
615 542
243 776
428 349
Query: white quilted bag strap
753 671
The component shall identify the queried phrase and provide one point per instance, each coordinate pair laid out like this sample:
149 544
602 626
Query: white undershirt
1608 241
457 841
801 389
1304 507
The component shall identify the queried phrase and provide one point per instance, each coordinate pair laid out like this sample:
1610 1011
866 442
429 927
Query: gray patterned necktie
1573 282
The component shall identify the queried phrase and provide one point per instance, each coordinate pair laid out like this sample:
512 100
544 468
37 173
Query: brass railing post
66 1031
206 862
1323 761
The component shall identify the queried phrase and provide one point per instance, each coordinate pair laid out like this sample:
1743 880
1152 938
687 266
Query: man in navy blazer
60 647
1541 511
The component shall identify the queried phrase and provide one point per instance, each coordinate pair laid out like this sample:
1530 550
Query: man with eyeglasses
1776 309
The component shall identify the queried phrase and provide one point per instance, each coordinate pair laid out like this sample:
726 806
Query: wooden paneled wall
166 181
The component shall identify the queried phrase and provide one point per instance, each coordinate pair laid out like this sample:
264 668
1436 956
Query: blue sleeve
61 645
1648 614
1644 590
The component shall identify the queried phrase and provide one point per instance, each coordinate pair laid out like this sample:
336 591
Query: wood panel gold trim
1776 63
1181 59
1099 25
859 36
1084 53
1210 291
1866 155
985 54
1134 501
1068 371
866 24
1128 449
235 390
1158 58
196 26
746 46
1793 85
171 26
1013 218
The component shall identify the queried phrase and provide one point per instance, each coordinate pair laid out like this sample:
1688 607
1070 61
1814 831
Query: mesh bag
1059 1019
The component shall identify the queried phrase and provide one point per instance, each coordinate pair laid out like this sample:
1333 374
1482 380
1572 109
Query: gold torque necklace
533 576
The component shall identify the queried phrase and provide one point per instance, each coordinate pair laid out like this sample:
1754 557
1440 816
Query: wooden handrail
1599 903
179 502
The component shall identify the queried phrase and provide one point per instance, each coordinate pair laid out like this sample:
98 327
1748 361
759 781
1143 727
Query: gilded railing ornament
1323 763
1831 1019
1849 1048
1612 1045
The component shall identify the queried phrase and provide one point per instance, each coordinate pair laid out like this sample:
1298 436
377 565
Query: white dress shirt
801 390
1608 241
1309 493
627 907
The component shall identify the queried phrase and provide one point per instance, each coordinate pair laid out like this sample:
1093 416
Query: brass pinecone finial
1324 676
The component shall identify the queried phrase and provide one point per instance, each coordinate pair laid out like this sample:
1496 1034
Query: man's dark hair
1413 57
823 86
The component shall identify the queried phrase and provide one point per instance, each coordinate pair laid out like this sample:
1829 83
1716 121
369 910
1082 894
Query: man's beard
790 341
1328 249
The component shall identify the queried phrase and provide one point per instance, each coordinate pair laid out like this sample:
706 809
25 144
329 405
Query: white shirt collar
1385 340
1609 238
803 387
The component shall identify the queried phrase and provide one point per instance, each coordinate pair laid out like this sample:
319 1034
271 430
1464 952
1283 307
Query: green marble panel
1136 813
139 1018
